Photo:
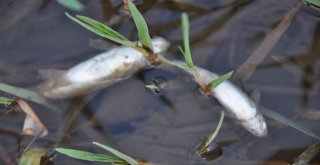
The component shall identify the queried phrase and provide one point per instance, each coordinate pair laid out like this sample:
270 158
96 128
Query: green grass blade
103 33
6 101
117 153
102 27
313 2
282 119
204 145
71 4
28 95
176 64
83 155
186 43
215 133
220 80
141 25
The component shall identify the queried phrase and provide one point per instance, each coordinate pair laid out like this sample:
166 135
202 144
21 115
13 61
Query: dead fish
237 104
98 72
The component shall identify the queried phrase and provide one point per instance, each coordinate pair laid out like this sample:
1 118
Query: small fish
237 104
98 72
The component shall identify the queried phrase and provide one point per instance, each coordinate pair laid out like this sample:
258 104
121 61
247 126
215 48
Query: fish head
256 125
160 44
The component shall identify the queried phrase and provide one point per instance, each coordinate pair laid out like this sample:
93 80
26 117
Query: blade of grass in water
101 30
186 44
83 155
282 119
204 145
71 4
102 27
220 80
118 154
28 95
141 25
173 63
313 2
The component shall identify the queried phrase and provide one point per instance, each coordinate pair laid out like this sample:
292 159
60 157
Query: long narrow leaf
71 4
102 27
282 119
203 147
186 44
313 2
141 25
117 153
179 64
83 155
220 80
102 33
28 95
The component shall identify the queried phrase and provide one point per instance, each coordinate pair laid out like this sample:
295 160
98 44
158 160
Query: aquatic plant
71 4
117 157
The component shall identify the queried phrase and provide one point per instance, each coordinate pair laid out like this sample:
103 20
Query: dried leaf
32 157
32 124
282 119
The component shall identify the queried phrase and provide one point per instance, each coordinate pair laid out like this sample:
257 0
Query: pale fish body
237 104
98 72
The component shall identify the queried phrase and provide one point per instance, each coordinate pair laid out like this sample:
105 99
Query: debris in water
249 66
308 155
98 72
32 125
34 156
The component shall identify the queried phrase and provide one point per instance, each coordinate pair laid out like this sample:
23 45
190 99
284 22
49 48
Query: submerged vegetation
122 62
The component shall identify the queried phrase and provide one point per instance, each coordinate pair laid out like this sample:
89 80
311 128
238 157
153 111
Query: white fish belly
116 63
98 72
237 103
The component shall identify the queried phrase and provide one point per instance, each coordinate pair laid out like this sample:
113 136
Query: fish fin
52 78
256 96
47 74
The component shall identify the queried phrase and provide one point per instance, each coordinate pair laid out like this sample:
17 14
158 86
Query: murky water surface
165 128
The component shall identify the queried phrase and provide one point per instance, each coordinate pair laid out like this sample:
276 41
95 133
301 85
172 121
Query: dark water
166 128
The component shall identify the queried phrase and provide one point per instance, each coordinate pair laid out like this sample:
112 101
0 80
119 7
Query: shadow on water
164 128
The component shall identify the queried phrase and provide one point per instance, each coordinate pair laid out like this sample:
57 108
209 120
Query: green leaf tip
141 25
186 43
117 153
213 84
205 144
101 29
71 4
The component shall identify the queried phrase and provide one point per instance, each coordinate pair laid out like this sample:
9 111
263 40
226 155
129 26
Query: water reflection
164 129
